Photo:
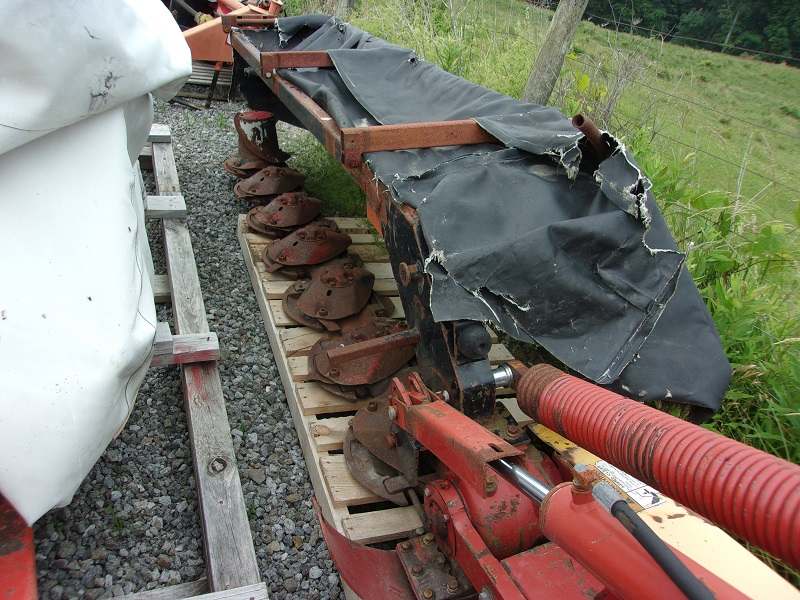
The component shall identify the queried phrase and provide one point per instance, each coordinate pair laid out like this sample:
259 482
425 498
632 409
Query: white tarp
77 318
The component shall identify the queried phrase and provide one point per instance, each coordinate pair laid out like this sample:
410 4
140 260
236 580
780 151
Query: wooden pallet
321 418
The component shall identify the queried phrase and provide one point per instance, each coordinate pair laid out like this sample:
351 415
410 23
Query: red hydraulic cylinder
748 492
573 520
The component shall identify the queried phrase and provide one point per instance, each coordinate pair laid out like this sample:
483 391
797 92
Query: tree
343 7
550 59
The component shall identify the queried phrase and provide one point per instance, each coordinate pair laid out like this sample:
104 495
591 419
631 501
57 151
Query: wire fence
710 109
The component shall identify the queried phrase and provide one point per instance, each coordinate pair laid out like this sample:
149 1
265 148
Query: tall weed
747 273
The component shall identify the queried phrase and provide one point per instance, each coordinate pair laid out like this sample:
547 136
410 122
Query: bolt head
372 406
452 585
427 538
392 413
405 546
416 569
428 594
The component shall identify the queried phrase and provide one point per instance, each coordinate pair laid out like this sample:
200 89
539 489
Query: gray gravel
134 523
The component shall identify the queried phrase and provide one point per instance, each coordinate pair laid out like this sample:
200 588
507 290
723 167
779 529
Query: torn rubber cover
579 262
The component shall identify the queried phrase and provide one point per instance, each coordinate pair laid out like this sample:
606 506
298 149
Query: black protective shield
520 234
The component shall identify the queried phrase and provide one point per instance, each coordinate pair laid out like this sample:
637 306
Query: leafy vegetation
768 29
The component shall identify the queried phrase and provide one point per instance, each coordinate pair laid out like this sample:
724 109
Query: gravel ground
134 524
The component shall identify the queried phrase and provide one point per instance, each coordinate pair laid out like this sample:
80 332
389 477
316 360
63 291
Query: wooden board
320 417
230 555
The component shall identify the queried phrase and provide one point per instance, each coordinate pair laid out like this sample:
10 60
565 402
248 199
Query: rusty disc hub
269 181
289 210
309 245
244 166
364 355
337 292
374 474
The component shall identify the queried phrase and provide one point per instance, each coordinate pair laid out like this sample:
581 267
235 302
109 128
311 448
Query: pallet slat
382 526
344 489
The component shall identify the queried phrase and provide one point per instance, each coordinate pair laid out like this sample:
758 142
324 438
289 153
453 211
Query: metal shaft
527 483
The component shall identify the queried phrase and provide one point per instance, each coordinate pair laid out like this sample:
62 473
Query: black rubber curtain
529 234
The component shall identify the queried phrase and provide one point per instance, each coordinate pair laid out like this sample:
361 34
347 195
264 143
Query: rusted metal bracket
358 140
271 61
247 20
446 432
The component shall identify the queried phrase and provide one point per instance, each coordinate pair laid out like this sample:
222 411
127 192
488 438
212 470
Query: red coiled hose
748 492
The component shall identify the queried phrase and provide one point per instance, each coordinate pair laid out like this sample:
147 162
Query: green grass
325 177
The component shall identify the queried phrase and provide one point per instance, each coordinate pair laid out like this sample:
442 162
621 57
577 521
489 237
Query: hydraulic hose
748 492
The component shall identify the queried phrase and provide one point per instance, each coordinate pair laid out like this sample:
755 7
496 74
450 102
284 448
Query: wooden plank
165 207
353 224
196 590
160 133
138 181
383 525
499 354
187 297
298 340
162 292
186 348
370 253
280 318
328 434
256 591
344 489
230 555
146 157
166 174
513 407
173 592
314 400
